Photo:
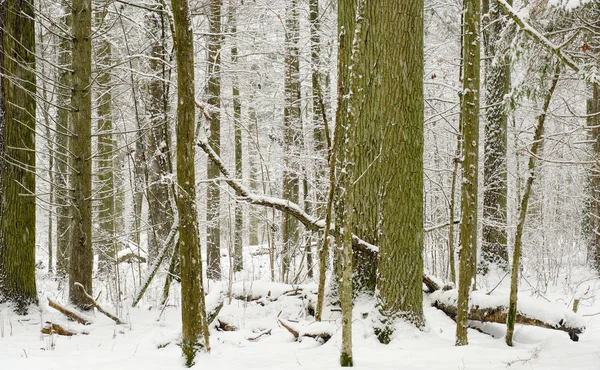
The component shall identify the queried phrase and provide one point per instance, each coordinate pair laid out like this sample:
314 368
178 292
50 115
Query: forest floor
149 338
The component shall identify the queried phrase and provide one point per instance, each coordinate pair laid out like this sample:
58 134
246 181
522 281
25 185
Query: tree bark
469 192
63 137
82 258
238 256
160 165
193 307
17 137
292 131
105 166
497 70
213 91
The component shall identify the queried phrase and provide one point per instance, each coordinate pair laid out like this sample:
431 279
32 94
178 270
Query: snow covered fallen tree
494 308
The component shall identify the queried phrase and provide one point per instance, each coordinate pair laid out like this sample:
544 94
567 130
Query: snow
549 312
149 339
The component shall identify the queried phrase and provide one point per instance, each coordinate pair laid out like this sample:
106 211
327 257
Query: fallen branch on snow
73 315
99 308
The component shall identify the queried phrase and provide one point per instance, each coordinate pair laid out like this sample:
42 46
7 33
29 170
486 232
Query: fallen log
320 334
257 337
486 308
99 308
225 326
57 329
73 315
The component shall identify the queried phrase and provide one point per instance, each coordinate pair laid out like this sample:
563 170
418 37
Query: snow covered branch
537 36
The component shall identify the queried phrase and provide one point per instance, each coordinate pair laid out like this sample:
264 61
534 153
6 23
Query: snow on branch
244 194
524 24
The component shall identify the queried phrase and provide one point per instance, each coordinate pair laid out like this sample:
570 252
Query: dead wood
322 337
225 326
498 315
99 308
262 333
57 329
212 315
73 315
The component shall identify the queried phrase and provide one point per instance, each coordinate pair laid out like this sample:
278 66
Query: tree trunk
594 182
62 156
535 147
160 165
387 150
497 69
469 197
193 308
238 257
213 91
17 137
82 258
292 130
105 167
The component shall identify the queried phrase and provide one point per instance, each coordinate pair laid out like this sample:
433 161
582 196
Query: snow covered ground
149 340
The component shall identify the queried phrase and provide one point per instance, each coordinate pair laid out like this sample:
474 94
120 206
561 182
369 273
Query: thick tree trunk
193 307
497 69
63 158
17 137
213 91
469 197
292 131
391 42
535 148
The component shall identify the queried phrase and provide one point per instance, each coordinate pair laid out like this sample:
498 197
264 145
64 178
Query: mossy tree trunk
495 190
386 141
469 197
213 91
82 258
17 143
292 131
193 308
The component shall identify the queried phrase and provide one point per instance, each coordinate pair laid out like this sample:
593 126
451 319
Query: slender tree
193 311
469 197
62 156
518 246
292 125
238 258
594 182
82 258
105 166
160 211
213 92
17 143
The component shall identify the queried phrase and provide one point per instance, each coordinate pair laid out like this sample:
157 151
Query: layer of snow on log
551 313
